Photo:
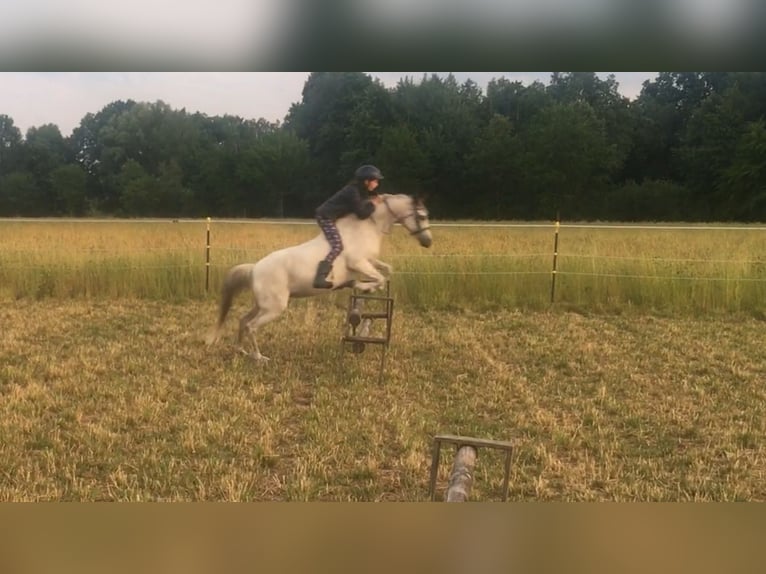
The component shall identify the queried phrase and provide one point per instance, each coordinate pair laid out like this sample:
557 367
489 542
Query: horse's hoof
357 347
254 356
366 287
354 317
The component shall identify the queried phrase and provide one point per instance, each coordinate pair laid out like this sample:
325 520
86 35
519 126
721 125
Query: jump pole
462 474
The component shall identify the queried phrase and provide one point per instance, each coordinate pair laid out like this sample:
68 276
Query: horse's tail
237 279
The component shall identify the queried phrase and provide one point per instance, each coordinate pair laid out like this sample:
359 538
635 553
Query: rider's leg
336 246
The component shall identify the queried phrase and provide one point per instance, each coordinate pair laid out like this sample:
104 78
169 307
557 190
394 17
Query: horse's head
412 214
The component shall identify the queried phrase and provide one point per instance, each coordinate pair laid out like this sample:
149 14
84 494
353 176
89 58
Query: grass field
643 382
121 400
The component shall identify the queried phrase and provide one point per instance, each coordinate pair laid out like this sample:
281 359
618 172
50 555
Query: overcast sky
63 98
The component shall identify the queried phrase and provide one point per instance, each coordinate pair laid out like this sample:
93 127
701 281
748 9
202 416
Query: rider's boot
323 270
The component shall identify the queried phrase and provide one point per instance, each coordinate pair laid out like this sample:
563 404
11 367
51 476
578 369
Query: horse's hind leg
262 316
249 316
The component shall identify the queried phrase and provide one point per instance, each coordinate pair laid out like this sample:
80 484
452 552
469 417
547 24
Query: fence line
421 255
462 273
116 267
531 225
437 273
686 278
700 227
510 225
184 249
662 259
393 256
559 272
555 228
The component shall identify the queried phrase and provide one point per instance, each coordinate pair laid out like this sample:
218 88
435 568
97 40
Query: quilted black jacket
344 202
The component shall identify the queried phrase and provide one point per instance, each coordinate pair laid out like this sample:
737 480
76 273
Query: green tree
367 123
445 117
495 173
743 182
10 142
567 161
171 197
69 186
19 195
44 150
136 189
95 148
213 166
406 163
517 102
609 106
649 200
325 119
707 148
660 116
277 171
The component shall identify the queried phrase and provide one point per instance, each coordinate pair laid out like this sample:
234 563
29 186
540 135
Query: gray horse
290 272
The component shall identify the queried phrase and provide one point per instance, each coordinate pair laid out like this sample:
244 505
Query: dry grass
121 400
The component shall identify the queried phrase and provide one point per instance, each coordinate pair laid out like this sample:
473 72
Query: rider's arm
363 208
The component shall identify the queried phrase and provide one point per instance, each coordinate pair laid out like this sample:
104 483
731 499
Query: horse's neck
384 216
381 220
351 226
366 235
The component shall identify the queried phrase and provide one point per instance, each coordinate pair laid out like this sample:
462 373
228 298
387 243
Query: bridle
419 219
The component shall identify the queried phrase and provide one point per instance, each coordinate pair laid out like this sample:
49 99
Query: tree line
690 147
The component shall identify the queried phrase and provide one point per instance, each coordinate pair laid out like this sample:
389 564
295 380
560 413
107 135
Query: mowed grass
657 270
120 400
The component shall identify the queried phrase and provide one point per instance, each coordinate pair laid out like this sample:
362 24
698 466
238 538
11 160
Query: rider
359 196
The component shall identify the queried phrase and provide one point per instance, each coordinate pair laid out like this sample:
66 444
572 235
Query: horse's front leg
383 267
366 268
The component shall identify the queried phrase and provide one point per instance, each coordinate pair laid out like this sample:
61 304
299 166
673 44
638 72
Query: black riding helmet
368 172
